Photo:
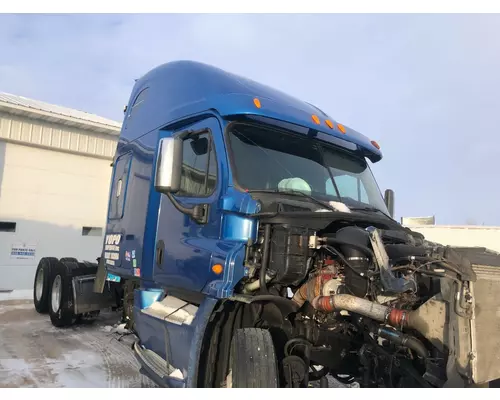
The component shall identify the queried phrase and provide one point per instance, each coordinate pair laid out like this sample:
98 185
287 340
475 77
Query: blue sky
426 87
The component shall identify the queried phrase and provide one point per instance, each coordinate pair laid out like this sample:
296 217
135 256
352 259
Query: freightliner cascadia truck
248 244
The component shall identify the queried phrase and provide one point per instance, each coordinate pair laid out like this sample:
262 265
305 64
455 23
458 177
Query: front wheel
252 362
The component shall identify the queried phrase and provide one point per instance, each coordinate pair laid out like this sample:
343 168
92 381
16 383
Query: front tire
252 361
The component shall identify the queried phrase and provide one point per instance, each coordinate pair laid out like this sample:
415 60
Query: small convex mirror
199 146
168 165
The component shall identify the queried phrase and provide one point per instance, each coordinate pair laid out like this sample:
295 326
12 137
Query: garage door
51 204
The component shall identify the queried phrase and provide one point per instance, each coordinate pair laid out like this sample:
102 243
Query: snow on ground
33 353
16 295
14 305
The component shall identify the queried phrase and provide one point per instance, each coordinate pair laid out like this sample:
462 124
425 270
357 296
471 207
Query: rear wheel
61 299
252 360
41 285
68 259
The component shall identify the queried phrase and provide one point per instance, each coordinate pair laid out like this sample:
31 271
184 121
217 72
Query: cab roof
178 89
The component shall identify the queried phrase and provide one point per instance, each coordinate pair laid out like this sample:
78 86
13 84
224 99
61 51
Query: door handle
160 250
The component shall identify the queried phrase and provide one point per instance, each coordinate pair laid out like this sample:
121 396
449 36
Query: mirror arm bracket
199 212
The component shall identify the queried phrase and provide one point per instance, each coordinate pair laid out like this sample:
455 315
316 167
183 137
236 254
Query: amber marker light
217 269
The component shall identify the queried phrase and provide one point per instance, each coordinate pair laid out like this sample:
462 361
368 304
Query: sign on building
21 251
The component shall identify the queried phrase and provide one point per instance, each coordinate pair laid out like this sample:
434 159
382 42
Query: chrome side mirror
168 165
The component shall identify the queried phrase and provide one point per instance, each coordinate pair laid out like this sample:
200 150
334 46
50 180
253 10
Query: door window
199 166
117 198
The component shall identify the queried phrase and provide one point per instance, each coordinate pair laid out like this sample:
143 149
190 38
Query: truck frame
244 224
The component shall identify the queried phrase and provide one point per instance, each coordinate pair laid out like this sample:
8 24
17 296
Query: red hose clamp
325 303
397 317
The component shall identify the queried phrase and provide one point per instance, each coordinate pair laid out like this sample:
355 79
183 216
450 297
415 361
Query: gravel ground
33 353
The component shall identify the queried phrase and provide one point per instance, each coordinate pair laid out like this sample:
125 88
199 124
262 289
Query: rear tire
41 288
252 361
70 259
61 304
61 301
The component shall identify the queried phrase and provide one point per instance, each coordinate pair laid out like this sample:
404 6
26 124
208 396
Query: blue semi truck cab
248 245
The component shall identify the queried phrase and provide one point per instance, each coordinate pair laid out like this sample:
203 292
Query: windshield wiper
295 192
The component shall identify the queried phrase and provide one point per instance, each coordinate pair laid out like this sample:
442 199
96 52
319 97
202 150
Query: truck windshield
267 159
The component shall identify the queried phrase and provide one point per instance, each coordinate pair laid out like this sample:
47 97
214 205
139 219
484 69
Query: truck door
127 212
184 247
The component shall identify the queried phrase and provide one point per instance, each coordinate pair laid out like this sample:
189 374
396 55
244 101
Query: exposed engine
378 307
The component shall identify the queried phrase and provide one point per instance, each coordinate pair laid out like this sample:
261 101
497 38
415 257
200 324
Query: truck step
157 365
173 310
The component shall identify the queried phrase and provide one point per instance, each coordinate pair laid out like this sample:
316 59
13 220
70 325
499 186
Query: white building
455 235
54 181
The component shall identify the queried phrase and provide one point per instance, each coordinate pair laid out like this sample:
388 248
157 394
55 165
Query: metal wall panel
23 130
32 105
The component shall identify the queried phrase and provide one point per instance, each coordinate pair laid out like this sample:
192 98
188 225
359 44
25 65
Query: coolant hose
391 316
401 339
